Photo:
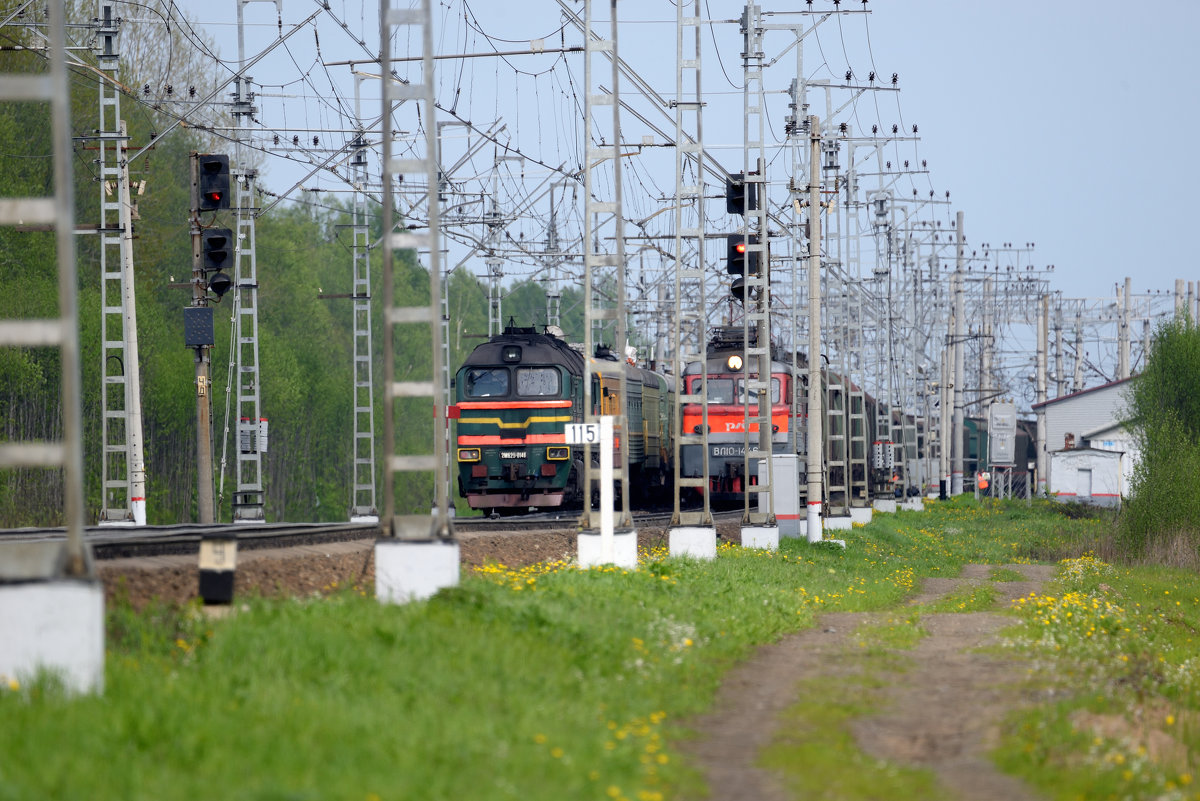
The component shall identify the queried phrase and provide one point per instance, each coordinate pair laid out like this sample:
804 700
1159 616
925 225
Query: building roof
1093 451
1062 398
1115 425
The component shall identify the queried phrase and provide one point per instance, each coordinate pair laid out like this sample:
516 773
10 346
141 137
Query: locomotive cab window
720 390
775 388
487 382
538 381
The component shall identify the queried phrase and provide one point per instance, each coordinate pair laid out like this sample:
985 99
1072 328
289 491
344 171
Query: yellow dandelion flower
539 738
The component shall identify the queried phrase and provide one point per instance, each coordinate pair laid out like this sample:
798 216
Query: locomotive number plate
582 433
514 454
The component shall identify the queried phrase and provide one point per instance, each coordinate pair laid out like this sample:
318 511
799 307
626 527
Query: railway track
117 542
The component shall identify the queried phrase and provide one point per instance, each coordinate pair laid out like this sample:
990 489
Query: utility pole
133 370
816 413
692 532
756 318
123 475
1043 324
1060 383
418 554
1126 304
945 398
249 499
602 269
959 353
199 334
987 346
363 505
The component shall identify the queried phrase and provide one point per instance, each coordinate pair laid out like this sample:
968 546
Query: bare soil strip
942 713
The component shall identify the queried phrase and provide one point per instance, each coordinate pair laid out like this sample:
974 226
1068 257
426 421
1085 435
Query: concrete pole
1077 382
816 409
956 473
1180 290
1060 384
944 395
1123 333
986 349
1146 338
1043 324
133 370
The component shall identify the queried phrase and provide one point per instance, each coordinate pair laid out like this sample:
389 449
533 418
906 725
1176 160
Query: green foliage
1164 404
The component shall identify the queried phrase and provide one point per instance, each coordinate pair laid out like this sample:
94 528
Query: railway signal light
219 284
740 197
214 255
214 181
740 257
214 247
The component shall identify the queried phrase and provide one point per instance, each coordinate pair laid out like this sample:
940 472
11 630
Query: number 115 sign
583 433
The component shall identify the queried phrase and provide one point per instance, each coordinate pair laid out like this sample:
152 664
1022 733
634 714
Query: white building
1088 475
1090 420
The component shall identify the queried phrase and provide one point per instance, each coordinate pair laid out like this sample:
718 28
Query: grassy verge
543 683
1118 648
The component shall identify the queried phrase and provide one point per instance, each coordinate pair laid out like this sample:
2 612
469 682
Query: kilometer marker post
603 552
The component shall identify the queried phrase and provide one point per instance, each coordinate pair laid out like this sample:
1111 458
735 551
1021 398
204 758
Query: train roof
537 347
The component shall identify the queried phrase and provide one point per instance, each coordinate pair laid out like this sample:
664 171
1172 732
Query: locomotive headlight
468 454
734 362
510 354
558 453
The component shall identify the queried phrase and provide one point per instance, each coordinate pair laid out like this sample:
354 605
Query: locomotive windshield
754 394
487 382
720 390
537 381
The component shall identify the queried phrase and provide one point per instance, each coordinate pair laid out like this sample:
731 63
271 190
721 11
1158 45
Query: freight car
515 394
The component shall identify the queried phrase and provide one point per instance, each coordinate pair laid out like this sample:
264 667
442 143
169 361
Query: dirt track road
941 713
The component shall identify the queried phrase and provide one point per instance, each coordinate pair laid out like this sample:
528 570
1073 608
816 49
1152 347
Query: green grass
1005 574
1123 646
543 683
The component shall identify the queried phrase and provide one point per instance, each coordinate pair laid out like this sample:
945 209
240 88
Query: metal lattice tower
604 272
249 499
123 474
756 322
690 334
363 505
495 265
415 318
62 332
554 258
